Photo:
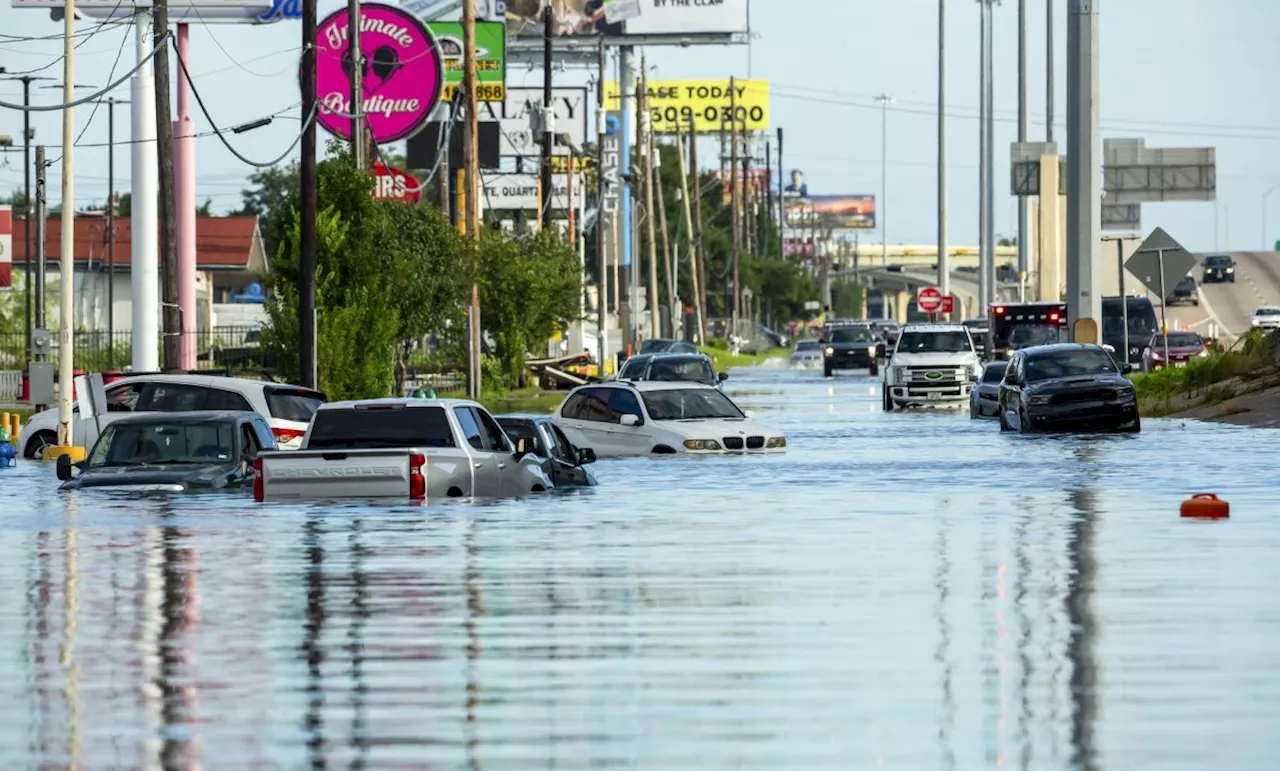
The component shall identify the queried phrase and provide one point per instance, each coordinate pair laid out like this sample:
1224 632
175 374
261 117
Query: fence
218 348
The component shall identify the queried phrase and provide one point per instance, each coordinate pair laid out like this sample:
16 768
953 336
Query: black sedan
984 399
566 465
851 347
172 452
1067 387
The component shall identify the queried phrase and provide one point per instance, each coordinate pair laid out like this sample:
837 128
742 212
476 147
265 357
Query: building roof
222 243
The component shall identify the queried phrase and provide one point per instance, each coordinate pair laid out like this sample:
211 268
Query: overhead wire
236 63
91 97
89 36
124 39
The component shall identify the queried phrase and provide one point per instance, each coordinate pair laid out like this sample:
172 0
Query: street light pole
885 100
944 257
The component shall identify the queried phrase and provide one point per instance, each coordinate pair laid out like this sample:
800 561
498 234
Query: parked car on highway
673 367
1184 292
1065 387
1142 325
410 449
851 347
648 417
807 353
286 408
1183 347
984 399
665 345
978 329
1266 317
889 331
1007 273
932 364
1219 267
563 463
172 452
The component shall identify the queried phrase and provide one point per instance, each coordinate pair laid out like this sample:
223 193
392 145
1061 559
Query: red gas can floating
1206 506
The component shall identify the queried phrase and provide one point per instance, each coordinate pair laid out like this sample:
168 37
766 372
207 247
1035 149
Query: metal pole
308 371
144 261
471 158
170 313
66 255
944 255
644 146
734 204
1124 301
626 77
111 232
1164 325
1024 227
699 252
984 292
885 100
782 209
184 163
1084 194
1048 74
547 138
602 279
42 206
355 58
993 293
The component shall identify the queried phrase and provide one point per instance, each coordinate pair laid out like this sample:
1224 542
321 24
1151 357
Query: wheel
826 370
1024 425
1136 427
41 440
874 369
888 400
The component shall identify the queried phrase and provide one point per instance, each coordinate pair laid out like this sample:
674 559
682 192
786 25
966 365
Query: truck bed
374 473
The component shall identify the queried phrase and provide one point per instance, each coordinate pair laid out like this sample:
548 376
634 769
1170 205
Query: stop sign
394 184
929 300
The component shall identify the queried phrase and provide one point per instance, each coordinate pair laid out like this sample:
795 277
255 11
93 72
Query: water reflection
312 651
1080 557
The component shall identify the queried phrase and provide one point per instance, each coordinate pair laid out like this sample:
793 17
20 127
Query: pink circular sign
403 75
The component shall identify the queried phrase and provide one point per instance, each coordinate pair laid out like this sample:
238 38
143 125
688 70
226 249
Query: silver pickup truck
401 448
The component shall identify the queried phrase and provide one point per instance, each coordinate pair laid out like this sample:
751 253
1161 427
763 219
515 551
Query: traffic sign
948 304
929 300
392 184
1160 253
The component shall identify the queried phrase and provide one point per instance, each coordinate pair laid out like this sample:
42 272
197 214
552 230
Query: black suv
851 347
1184 292
1219 267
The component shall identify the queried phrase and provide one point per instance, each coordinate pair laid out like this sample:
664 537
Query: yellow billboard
706 102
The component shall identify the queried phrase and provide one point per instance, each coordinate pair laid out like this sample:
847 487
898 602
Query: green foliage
1203 377
274 192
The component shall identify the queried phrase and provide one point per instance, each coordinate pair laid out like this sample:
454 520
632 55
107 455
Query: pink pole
184 172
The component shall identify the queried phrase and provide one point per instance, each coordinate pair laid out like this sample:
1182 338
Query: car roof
211 380
934 328
1266 308
669 355
973 322
391 402
1044 350
651 385
996 365
188 417
523 418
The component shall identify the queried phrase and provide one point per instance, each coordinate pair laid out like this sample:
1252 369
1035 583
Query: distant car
672 367
1183 347
807 353
566 465
1007 274
1219 267
664 345
1067 387
172 452
984 399
1266 317
1184 292
978 329
851 347
778 339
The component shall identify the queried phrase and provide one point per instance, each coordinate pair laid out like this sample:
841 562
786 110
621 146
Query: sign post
1158 254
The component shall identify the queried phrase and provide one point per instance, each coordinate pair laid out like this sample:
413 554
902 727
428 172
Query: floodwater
899 590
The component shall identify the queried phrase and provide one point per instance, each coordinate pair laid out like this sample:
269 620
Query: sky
1178 73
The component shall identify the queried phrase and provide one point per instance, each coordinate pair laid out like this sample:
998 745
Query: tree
205 209
274 190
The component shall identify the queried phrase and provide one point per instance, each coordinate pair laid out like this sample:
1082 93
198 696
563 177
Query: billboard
515 191
6 246
758 179
491 58
798 247
621 18
673 102
841 212
569 104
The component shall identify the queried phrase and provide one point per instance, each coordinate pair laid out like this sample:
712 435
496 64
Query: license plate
1179 364
935 395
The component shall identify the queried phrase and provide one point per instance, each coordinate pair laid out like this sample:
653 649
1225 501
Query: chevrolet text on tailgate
395 448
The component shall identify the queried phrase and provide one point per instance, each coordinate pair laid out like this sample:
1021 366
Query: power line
101 26
93 113
91 97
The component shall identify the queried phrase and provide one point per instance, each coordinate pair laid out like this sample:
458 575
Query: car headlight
701 444
899 374
775 442
828 351
1231 270
871 350
1036 400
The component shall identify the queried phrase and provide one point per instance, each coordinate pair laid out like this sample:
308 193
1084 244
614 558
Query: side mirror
64 467
723 376
1126 369
629 420
524 446
586 455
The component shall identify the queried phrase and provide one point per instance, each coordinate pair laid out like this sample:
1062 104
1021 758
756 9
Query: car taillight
1053 317
286 434
417 477
1000 310
259 488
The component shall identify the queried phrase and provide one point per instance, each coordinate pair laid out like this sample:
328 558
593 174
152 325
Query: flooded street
906 590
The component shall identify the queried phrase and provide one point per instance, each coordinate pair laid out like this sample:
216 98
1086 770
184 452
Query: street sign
929 300
392 184
1160 253
948 304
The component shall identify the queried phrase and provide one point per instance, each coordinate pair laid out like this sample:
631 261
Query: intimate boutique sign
403 75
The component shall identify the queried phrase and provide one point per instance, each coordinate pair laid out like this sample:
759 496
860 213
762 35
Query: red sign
929 300
390 183
6 246
948 304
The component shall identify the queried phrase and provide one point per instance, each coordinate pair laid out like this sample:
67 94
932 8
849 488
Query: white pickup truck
401 448
931 364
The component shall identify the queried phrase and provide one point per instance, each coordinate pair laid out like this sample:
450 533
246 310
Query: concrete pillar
1049 254
1084 172
900 306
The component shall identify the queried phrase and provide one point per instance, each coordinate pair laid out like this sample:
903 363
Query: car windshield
852 335
1187 283
138 444
807 345
1177 340
1025 337
655 346
297 405
934 342
1217 261
1267 312
1140 325
682 370
994 373
1075 363
365 428
690 404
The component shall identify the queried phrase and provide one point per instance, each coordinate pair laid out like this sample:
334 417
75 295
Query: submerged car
851 347
565 465
984 399
666 345
655 418
807 353
1067 387
672 368
172 452
1182 348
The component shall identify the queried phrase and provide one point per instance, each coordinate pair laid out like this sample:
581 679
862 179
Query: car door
1011 391
629 440
486 477
589 422
121 401
564 467
514 480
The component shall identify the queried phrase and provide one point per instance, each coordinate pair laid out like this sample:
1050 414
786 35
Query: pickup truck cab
411 449
931 364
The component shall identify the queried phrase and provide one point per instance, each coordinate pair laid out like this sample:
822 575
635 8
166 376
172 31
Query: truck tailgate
335 474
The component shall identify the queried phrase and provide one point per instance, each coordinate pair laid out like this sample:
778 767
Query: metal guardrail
10 385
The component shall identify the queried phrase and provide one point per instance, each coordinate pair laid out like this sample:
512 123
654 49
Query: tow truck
1023 325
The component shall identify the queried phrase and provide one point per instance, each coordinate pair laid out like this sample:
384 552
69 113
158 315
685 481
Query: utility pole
168 215
548 114
1084 188
984 291
734 205
944 252
144 178
1024 228
768 189
700 252
645 146
990 133
472 162
1048 74
111 232
626 281
66 256
688 226
782 206
356 58
308 371
673 307
885 100
602 278
41 210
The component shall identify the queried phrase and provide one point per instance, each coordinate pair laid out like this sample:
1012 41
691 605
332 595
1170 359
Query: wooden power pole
168 215
308 205
688 226
472 172
645 146
734 204
700 253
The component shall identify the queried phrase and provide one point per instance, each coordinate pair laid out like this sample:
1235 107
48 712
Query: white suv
931 364
286 408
